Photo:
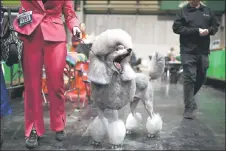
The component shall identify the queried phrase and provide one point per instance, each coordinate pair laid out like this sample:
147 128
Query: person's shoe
61 135
32 140
188 114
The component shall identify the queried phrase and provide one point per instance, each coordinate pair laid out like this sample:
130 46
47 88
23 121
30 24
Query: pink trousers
52 55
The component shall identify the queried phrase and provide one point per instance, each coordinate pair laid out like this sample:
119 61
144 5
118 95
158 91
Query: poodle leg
132 121
99 128
148 105
154 125
147 100
133 105
116 131
154 121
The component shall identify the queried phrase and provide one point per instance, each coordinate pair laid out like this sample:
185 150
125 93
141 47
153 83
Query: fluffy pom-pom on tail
154 125
157 65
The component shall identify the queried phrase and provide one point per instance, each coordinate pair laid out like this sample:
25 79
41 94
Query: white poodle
114 84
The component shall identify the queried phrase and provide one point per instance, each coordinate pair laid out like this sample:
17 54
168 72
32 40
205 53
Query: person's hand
203 32
77 32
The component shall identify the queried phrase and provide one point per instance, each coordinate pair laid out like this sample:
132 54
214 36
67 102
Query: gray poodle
114 84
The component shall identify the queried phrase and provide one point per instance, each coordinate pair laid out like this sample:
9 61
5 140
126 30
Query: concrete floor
207 131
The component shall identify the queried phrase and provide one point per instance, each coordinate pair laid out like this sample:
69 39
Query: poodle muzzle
117 61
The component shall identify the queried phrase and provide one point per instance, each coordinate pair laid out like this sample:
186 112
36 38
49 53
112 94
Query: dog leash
99 58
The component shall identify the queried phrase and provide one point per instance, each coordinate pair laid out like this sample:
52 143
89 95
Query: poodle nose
129 50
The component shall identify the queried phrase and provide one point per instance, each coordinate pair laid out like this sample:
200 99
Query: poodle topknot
108 40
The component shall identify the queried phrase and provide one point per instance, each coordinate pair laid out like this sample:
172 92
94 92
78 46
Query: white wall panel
143 29
149 32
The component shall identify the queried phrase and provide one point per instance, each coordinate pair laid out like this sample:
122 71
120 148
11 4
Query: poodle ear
98 72
128 72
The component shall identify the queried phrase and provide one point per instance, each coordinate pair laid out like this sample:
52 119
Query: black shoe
32 140
188 114
61 135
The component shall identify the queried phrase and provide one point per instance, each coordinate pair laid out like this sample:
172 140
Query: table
171 70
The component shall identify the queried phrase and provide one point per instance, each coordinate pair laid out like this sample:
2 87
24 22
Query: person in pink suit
41 28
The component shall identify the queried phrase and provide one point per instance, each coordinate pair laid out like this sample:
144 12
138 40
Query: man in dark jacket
195 23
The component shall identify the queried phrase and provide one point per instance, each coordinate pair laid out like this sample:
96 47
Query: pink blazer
49 17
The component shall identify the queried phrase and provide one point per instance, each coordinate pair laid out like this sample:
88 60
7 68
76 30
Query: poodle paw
116 132
151 135
132 122
116 147
128 132
154 124
96 143
99 129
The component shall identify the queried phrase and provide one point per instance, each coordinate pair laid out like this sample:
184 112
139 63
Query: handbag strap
10 23
2 17
10 19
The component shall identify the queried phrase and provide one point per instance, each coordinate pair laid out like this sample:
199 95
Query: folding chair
78 91
80 88
44 86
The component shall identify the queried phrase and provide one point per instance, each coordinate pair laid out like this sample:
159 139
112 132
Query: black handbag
11 46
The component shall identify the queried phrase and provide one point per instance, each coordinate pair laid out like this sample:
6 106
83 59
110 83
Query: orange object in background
44 86
81 71
72 49
79 96
76 96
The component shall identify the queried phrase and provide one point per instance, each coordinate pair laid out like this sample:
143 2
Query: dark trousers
194 72
4 102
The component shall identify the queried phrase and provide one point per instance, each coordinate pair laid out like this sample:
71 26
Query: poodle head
110 54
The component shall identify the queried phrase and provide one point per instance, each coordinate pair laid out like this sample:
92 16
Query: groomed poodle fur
114 84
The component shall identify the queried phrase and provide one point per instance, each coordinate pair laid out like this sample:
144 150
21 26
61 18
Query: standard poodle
114 84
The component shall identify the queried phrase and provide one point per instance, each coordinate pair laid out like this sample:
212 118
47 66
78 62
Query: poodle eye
119 47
